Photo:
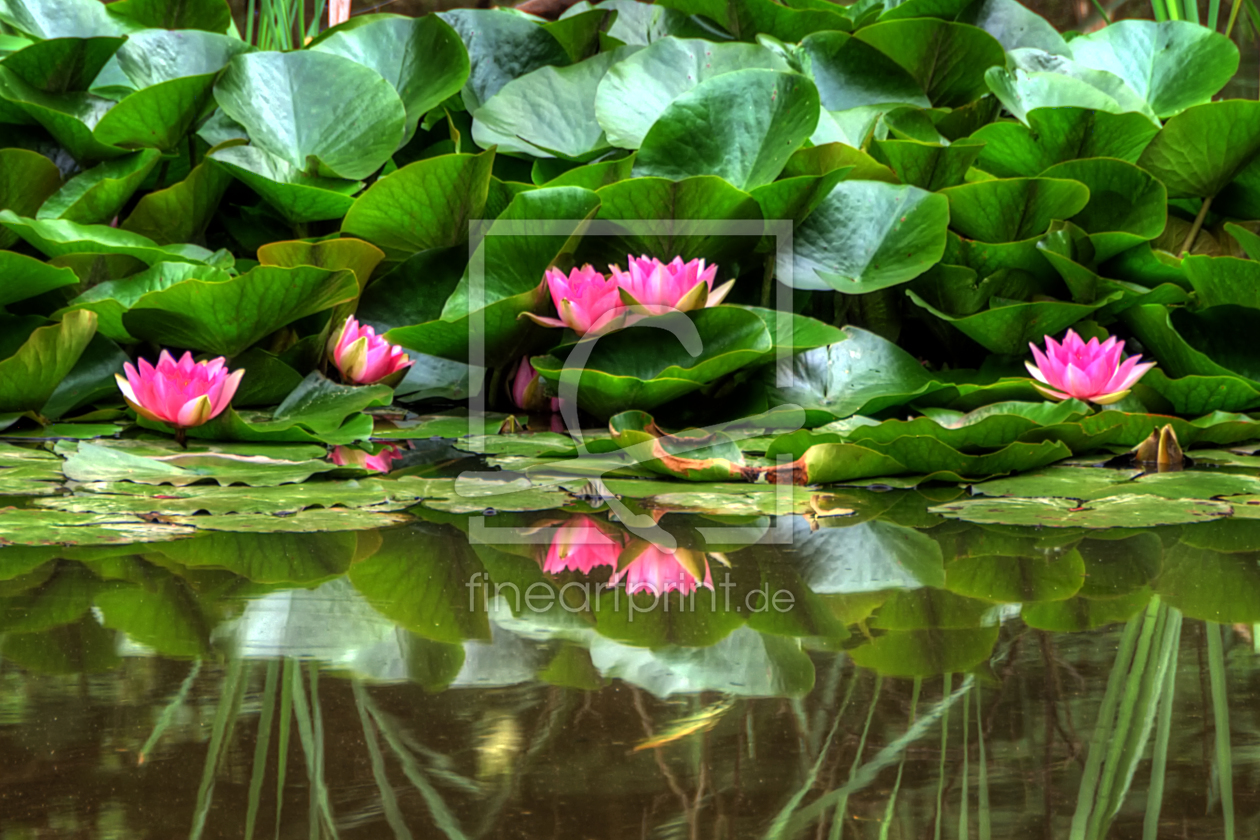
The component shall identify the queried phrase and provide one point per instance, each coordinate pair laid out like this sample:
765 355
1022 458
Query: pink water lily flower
658 571
527 390
1085 371
580 545
363 357
586 300
659 287
352 456
183 393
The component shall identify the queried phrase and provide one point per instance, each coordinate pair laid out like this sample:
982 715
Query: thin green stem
1196 227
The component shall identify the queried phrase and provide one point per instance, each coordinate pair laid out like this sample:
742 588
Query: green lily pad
305 521
1126 205
426 204
1013 209
97 195
1108 512
711 343
23 277
26 180
678 216
182 211
208 15
851 73
96 462
1172 64
746 19
59 65
1040 80
1199 394
68 117
831 463
863 374
947 59
228 316
501 46
317 410
868 235
111 300
159 116
1203 148
1055 135
297 196
423 58
929 166
766 114
59 238
29 376
549 112
693 455
44 19
638 90
54 527
334 136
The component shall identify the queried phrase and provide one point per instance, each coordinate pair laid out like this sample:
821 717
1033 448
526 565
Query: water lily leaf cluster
901 198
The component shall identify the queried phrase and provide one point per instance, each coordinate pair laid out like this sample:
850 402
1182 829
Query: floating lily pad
97 462
1119 511
54 527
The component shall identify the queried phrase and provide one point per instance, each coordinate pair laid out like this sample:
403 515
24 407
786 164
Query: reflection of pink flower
352 456
183 393
585 300
1083 371
660 287
658 571
580 545
363 357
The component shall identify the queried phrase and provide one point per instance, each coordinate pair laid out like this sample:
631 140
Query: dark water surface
930 678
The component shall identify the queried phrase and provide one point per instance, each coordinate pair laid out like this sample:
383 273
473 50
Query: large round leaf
1172 64
29 377
159 116
1055 135
1015 26
210 15
156 55
1201 149
44 19
851 73
96 196
869 235
289 107
111 300
741 126
1009 328
636 92
57 238
426 204
423 58
501 46
1013 209
1211 343
681 218
23 277
549 112
227 317
182 211
947 59
648 364
26 179
1041 80
68 117
1127 205
62 64
296 196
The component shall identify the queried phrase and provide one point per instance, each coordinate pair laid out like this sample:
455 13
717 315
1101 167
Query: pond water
883 673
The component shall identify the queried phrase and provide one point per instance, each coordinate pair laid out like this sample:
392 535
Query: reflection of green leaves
1017 579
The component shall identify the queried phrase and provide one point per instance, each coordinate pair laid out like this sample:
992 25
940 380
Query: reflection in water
891 675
